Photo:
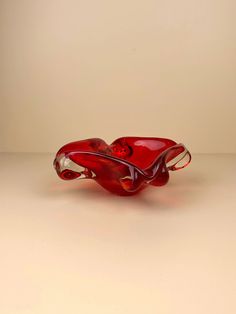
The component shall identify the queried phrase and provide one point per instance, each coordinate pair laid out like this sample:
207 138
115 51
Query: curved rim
146 172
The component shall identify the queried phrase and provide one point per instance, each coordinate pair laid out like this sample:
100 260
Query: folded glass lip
124 167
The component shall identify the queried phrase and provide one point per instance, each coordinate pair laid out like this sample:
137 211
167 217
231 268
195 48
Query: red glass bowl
126 166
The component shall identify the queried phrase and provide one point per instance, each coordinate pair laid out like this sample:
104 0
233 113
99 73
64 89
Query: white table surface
71 247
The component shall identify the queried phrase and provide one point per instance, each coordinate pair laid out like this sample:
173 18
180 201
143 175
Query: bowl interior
141 151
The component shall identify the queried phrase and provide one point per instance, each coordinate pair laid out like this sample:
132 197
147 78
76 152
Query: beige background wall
79 69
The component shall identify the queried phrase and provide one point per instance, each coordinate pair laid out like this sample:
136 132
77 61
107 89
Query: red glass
126 166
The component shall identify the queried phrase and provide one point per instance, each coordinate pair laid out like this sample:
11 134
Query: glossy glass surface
126 166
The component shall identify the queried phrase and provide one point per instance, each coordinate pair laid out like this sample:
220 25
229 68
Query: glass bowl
126 166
